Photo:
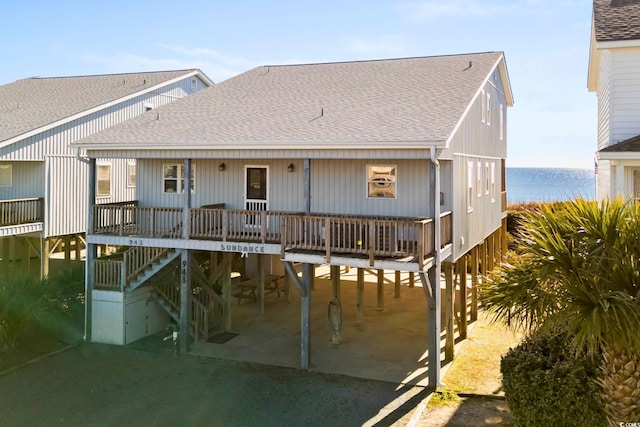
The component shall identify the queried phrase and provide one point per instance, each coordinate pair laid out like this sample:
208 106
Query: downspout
436 208
80 157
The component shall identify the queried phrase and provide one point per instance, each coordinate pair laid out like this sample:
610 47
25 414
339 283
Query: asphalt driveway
101 385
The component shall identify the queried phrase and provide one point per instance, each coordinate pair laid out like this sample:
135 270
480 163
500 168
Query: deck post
226 288
504 240
186 206
44 257
185 300
396 293
380 305
359 298
335 280
462 271
261 284
449 308
431 287
91 250
305 317
474 284
412 279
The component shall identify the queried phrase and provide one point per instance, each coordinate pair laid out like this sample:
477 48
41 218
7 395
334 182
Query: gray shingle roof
31 103
616 20
628 145
411 99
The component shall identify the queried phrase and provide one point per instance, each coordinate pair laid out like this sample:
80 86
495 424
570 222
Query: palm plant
578 269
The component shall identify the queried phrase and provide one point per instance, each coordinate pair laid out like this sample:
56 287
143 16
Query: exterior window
636 184
194 84
6 175
381 181
479 179
501 122
489 109
104 180
484 108
487 178
131 173
173 177
469 186
493 182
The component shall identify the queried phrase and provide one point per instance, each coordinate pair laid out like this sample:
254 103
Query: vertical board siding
478 142
27 181
56 141
337 186
66 201
55 173
215 186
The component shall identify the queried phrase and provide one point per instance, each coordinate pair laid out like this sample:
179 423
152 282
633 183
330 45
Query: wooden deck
411 239
21 211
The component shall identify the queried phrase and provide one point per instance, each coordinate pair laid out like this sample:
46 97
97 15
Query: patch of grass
476 369
444 397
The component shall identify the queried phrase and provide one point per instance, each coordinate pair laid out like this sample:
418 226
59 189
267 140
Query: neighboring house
43 182
614 74
388 165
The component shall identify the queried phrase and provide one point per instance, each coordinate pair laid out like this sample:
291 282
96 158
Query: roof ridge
379 60
109 74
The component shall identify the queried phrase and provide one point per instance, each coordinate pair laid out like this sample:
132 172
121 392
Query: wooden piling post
359 298
380 306
448 311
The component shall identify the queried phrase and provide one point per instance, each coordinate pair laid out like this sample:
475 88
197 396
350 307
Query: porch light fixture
222 167
291 168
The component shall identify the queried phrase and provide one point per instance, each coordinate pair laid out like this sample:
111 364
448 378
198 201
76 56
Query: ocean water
549 184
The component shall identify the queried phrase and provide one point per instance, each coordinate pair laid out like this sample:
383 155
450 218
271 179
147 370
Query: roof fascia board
618 155
508 95
246 146
617 44
102 106
594 62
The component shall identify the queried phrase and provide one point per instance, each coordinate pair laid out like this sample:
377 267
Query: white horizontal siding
625 93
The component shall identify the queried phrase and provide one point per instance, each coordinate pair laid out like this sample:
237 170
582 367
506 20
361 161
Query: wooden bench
247 289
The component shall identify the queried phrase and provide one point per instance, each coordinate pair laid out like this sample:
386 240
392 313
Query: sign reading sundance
245 248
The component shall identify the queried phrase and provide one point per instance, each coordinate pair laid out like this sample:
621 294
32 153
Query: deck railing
225 224
21 211
391 237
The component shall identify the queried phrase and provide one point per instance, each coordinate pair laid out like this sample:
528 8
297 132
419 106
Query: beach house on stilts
43 181
362 167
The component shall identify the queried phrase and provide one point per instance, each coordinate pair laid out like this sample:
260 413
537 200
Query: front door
256 192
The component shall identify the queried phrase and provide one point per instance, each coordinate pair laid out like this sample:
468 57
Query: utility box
121 318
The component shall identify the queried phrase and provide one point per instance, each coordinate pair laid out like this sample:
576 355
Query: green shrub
54 305
547 384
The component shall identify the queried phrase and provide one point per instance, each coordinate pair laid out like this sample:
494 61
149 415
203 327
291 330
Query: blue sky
546 43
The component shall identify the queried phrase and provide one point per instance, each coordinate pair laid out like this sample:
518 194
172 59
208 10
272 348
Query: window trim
179 178
488 109
99 165
194 84
484 107
479 179
493 182
9 183
131 164
487 179
470 186
501 122
393 182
